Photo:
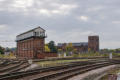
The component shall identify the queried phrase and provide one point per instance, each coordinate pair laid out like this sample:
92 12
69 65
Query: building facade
93 43
31 43
82 47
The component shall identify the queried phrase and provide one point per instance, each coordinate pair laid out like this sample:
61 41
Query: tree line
51 47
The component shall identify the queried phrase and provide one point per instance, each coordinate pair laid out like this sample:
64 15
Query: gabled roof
31 30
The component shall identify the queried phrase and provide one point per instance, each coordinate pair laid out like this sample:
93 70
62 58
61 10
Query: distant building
31 43
93 43
82 47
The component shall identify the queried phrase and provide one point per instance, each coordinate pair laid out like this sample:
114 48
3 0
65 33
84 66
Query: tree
11 55
7 49
52 46
1 50
69 47
75 51
59 51
89 49
117 50
47 49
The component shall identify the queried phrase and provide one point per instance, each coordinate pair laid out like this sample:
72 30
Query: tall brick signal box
93 43
31 43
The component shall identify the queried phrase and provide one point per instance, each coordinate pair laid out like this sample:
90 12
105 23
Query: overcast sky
63 20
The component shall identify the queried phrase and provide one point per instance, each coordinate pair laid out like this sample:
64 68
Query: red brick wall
46 54
93 43
30 48
81 48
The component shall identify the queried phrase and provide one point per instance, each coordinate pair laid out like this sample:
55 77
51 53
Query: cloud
44 12
74 35
22 3
94 8
62 9
116 22
66 8
46 7
83 18
2 27
109 43
63 20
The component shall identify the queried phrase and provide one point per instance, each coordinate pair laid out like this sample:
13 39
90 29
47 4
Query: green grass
58 62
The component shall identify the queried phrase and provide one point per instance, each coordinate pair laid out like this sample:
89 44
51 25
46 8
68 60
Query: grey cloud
62 24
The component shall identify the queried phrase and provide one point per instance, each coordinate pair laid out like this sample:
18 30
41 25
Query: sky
63 20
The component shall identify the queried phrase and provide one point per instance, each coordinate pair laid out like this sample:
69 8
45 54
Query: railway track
64 74
8 65
58 72
12 66
4 63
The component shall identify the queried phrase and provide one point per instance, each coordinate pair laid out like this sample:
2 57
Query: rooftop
75 44
31 30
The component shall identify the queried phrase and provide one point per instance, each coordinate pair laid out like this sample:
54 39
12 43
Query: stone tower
93 43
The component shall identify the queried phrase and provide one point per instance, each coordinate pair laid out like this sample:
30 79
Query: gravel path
92 72
33 66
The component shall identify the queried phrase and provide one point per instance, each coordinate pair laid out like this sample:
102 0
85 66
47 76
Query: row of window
39 34
30 34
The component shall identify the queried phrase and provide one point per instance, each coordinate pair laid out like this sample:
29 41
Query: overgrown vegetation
2 50
8 56
113 71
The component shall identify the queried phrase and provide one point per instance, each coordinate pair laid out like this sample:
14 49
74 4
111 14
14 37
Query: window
36 33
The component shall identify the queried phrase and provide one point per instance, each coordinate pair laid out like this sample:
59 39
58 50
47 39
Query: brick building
82 47
93 43
31 43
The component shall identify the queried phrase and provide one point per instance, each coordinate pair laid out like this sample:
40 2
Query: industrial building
83 47
31 44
